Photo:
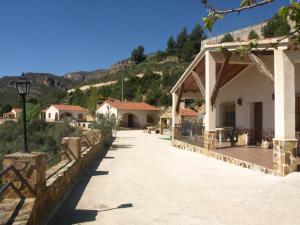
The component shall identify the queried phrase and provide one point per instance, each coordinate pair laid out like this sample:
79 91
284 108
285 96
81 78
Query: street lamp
23 87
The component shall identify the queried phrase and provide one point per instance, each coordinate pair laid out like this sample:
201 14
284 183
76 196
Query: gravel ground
143 180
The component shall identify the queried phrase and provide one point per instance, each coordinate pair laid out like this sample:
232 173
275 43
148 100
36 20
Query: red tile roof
70 108
187 112
132 106
17 110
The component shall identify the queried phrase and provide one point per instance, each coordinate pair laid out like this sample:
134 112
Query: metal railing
56 154
190 132
10 183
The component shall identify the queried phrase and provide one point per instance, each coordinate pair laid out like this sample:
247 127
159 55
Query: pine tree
186 53
181 39
253 35
277 26
196 37
171 46
137 55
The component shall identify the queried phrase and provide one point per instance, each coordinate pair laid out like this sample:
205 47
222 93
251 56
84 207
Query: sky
60 36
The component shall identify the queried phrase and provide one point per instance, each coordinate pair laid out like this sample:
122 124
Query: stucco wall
250 86
52 110
141 115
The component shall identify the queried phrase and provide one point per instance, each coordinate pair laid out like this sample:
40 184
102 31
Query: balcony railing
192 133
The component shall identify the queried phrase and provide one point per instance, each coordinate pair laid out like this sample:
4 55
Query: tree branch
237 10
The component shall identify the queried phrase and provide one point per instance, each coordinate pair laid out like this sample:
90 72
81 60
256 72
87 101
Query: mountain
43 84
83 76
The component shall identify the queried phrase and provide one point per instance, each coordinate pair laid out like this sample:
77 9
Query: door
130 120
258 122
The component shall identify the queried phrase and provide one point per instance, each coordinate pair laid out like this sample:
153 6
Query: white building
130 114
59 112
259 96
13 114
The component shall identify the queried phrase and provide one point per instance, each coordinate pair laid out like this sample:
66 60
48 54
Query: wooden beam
261 66
199 83
179 98
219 79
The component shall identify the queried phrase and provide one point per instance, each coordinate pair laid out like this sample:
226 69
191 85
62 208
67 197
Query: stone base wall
52 184
285 156
210 140
225 158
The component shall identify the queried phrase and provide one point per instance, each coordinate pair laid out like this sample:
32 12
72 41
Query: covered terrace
250 103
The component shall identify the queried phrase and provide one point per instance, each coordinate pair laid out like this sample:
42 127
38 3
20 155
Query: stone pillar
74 144
284 143
32 166
210 113
174 113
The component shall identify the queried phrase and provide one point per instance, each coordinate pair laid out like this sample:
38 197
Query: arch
130 120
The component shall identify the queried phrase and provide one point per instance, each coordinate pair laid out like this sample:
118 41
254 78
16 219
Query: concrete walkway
143 181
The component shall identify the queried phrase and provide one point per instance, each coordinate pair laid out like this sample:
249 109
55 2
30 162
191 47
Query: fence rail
8 184
190 132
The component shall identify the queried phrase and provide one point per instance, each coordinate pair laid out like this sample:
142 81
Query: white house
13 114
258 97
59 112
130 114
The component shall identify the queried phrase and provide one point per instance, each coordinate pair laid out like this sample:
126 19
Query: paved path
144 181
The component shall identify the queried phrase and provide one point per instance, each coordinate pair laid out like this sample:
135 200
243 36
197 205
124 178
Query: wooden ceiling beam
261 66
220 76
199 83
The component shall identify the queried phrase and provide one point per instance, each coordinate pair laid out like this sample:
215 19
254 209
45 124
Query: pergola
212 69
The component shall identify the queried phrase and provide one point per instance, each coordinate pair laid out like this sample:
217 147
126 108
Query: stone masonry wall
50 185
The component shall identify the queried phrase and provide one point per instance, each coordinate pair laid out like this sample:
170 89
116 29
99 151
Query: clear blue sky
60 36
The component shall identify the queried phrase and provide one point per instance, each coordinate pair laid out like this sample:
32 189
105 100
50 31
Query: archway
130 120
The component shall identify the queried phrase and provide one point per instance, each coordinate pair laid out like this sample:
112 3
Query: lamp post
23 87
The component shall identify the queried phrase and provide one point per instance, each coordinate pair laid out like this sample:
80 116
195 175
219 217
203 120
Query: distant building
131 114
13 114
59 112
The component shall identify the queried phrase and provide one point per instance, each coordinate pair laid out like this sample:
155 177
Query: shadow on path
67 213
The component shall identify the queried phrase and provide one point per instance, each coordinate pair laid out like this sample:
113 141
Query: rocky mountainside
43 84
82 76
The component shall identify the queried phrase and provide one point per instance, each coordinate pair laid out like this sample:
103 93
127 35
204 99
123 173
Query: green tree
277 26
78 97
187 51
181 39
171 46
93 98
196 37
253 35
5 108
227 38
137 55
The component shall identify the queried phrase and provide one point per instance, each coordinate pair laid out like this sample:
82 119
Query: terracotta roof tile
187 112
132 106
17 109
70 108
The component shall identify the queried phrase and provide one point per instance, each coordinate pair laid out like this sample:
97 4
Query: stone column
284 143
32 166
174 113
210 113
74 144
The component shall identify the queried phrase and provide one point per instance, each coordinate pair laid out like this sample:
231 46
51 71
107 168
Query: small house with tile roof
130 114
13 114
59 112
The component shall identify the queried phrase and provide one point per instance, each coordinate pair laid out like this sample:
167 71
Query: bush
253 35
227 38
277 26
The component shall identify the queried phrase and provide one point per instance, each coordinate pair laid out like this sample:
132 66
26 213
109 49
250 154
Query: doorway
257 123
130 120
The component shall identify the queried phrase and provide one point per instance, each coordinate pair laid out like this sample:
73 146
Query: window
80 116
49 115
228 115
297 113
150 119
